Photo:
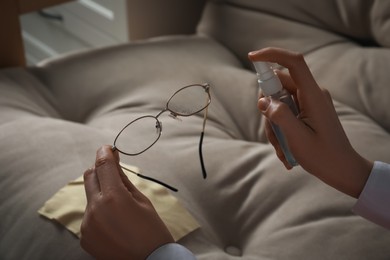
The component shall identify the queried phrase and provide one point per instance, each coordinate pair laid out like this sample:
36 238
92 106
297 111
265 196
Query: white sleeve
171 251
374 201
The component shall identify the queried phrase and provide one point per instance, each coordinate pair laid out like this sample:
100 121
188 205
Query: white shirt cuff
374 201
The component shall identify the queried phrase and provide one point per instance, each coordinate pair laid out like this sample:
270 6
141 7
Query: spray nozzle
264 70
268 80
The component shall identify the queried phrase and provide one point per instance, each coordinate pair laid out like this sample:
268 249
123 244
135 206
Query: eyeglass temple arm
201 143
151 179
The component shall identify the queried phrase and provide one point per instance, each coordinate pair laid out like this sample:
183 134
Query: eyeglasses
187 101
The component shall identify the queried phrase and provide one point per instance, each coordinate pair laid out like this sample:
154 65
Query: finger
137 194
327 95
287 82
128 184
91 184
116 153
107 172
125 180
293 61
111 176
280 114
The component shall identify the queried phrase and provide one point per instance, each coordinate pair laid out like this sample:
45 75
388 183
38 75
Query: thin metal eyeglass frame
174 114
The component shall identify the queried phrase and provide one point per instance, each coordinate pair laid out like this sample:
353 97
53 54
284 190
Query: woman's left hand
119 222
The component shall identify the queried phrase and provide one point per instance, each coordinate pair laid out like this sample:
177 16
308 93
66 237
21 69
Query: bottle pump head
268 80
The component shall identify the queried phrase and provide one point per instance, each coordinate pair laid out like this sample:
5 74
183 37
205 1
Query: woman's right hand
316 138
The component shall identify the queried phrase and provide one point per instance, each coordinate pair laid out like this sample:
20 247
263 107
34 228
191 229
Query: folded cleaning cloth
67 206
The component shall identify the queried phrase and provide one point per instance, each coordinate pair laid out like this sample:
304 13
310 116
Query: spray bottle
271 86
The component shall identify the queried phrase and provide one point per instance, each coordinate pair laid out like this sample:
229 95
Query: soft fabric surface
54 116
68 205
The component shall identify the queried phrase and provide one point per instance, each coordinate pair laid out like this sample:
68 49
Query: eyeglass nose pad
174 116
206 86
158 127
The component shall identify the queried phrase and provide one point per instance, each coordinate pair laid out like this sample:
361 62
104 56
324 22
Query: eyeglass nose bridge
174 116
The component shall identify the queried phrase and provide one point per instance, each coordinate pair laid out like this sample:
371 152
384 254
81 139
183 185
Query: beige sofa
55 115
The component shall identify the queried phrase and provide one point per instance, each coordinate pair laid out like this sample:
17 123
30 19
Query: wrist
362 174
347 173
355 175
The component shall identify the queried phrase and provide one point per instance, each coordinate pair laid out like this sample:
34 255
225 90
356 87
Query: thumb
280 114
276 111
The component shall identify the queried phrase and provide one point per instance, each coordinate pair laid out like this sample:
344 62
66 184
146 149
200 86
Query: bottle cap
268 80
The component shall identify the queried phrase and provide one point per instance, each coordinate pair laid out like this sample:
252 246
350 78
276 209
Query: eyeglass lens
188 100
129 141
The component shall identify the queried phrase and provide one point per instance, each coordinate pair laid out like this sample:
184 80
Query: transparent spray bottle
271 86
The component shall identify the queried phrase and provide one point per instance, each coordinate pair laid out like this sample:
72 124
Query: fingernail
100 152
263 103
253 52
102 155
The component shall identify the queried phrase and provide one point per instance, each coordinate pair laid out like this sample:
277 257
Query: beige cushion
54 116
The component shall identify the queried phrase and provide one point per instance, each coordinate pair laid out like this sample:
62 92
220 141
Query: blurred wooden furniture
11 45
163 19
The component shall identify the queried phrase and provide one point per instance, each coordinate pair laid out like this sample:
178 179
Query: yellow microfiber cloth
67 206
